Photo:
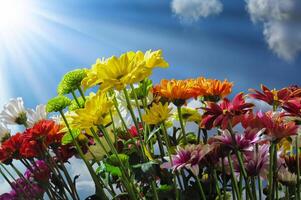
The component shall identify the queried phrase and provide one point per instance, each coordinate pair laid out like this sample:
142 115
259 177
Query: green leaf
107 168
152 134
113 159
67 138
115 171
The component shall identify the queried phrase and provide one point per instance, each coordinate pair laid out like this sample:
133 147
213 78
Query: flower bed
179 139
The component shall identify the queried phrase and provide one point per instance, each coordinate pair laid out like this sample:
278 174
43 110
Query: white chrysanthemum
286 177
14 112
4 131
57 119
33 116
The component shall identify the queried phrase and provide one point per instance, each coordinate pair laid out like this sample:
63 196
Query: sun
14 15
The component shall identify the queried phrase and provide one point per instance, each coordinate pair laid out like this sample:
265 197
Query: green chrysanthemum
71 81
57 104
74 105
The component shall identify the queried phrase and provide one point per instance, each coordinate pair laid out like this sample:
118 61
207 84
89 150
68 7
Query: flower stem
135 121
216 184
298 167
99 189
128 184
81 93
271 174
234 181
182 124
200 187
75 98
254 187
168 147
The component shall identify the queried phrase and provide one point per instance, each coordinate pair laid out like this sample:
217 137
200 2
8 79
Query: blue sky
61 35
65 34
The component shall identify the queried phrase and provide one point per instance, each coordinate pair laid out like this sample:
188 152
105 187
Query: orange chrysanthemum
176 91
212 88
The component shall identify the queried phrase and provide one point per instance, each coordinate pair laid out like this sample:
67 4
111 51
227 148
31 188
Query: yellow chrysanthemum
96 112
92 75
117 72
285 145
157 114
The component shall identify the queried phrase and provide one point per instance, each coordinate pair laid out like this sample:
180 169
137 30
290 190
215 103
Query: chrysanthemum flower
129 68
176 91
285 145
212 89
39 137
286 177
39 172
71 81
257 162
272 97
291 162
4 132
157 114
31 190
57 104
188 157
10 148
34 116
96 112
14 112
293 107
251 120
244 142
226 112
276 125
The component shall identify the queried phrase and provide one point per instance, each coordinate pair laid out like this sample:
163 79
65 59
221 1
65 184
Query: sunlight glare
13 15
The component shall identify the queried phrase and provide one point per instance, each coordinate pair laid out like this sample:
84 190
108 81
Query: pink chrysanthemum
244 142
188 157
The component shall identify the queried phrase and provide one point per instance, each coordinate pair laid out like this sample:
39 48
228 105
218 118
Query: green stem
154 188
182 124
216 184
234 178
298 167
240 161
81 93
200 187
259 187
142 145
168 147
224 179
271 170
75 98
99 189
128 184
254 187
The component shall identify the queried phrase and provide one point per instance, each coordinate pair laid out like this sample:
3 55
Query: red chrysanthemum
39 137
226 112
10 148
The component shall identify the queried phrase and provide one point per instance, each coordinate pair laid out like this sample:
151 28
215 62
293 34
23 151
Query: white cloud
193 10
281 24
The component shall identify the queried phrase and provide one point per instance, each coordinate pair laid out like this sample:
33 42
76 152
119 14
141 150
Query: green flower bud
71 81
74 106
57 103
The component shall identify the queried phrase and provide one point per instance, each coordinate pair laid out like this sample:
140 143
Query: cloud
281 24
193 10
